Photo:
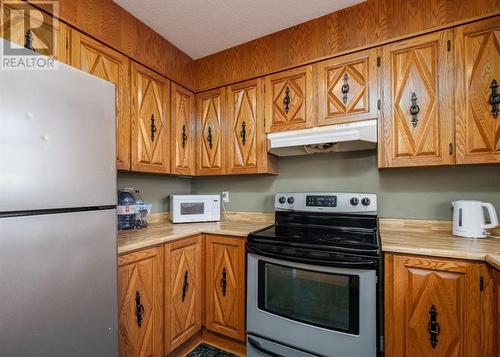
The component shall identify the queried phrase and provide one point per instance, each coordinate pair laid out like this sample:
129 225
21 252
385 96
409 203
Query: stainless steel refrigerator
58 294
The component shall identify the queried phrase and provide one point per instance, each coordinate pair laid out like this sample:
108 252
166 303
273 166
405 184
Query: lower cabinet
140 303
433 307
183 291
225 286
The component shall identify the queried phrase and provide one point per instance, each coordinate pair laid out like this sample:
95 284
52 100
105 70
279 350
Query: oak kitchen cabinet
140 303
225 285
433 307
50 37
289 100
183 290
150 120
477 60
95 58
417 124
348 88
183 131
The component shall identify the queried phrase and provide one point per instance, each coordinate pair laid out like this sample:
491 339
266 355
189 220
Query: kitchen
334 159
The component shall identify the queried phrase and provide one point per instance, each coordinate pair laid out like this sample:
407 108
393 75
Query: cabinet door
289 100
183 131
417 120
150 121
103 62
348 88
183 289
247 147
225 287
426 295
50 37
140 303
477 55
210 148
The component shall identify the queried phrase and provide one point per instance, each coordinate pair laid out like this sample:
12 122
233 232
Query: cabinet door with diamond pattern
183 131
140 303
211 141
150 129
225 285
103 62
477 100
418 116
183 286
348 88
289 100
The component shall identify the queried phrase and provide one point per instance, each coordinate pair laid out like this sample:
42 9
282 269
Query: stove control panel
341 202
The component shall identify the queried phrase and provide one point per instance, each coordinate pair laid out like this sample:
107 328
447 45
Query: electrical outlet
225 196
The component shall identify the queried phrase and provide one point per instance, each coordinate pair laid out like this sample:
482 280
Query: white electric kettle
469 220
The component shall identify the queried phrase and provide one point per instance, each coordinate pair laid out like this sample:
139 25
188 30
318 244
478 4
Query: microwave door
191 211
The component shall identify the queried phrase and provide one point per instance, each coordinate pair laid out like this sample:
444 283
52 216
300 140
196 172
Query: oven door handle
255 344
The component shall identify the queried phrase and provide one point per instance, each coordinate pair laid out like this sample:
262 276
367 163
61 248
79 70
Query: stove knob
291 200
282 199
354 201
365 201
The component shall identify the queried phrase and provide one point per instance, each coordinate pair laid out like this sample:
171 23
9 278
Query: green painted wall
423 193
155 189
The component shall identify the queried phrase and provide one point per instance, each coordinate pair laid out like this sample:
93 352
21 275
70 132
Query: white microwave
194 208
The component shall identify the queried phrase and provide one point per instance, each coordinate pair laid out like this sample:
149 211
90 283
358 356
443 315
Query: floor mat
204 350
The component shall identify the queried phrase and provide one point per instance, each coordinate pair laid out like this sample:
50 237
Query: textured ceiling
203 27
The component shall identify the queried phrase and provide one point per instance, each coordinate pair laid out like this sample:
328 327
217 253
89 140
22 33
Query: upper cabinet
417 126
210 150
101 61
289 100
247 147
183 131
477 95
48 36
348 88
150 120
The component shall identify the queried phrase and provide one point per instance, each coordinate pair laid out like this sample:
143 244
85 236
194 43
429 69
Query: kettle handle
493 215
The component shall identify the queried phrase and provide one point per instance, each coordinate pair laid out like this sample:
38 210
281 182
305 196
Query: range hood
333 138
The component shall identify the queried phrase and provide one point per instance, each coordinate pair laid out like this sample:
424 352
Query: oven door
320 310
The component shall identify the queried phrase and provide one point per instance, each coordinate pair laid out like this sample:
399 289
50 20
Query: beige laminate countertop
434 238
159 233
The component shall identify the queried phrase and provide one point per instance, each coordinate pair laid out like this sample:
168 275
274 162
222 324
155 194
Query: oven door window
316 298
192 208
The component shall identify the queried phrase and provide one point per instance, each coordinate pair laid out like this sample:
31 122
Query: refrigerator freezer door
58 285
57 140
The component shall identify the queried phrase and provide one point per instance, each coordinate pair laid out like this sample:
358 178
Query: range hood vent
333 138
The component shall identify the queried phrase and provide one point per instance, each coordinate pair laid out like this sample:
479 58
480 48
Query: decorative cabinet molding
104 62
150 129
477 61
348 88
225 285
210 150
183 131
247 146
433 307
49 37
289 100
183 286
417 124
140 303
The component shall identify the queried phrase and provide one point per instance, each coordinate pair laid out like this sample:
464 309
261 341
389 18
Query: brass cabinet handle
209 137
185 286
494 99
286 100
139 309
433 326
184 136
223 282
153 127
243 133
414 110
345 88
